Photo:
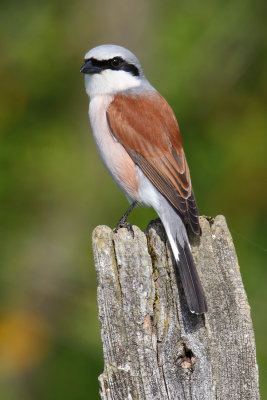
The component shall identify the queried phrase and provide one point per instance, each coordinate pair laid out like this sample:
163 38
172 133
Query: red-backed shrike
138 139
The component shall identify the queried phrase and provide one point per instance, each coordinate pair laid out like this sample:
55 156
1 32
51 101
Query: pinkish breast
112 153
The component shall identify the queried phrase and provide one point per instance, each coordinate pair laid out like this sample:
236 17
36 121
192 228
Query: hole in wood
187 359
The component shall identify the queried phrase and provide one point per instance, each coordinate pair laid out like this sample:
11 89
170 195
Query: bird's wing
147 128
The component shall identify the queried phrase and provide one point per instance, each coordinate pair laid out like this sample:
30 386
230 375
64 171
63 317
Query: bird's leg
123 221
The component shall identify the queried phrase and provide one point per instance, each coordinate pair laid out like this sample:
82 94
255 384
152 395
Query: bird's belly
112 153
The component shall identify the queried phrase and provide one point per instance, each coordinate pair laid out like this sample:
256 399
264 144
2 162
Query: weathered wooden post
154 348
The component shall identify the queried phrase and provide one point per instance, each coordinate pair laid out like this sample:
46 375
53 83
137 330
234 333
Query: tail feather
177 235
179 242
191 283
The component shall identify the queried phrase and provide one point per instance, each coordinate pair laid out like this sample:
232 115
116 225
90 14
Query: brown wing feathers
154 143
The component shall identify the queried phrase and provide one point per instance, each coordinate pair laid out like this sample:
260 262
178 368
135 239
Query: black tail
179 242
191 283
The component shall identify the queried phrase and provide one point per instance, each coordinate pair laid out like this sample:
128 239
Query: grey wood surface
154 348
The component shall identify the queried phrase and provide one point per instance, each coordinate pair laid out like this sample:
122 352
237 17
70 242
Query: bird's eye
116 62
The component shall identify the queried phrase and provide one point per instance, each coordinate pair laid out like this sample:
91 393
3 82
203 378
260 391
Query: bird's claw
124 224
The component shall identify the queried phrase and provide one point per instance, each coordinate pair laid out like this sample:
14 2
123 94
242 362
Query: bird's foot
123 221
124 224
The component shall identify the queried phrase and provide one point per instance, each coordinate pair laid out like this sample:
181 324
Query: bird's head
110 69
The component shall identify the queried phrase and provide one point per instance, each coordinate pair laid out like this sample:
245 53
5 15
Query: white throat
110 82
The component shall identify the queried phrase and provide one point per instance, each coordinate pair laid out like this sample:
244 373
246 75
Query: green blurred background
209 60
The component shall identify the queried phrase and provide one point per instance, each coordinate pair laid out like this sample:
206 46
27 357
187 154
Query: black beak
89 68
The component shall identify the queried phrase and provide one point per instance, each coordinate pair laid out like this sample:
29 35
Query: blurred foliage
209 60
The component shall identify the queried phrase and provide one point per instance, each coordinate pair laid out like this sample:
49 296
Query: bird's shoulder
145 115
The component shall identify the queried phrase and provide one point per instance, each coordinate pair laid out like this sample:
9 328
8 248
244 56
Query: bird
139 141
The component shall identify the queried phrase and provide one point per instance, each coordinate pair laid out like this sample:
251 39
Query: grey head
110 69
